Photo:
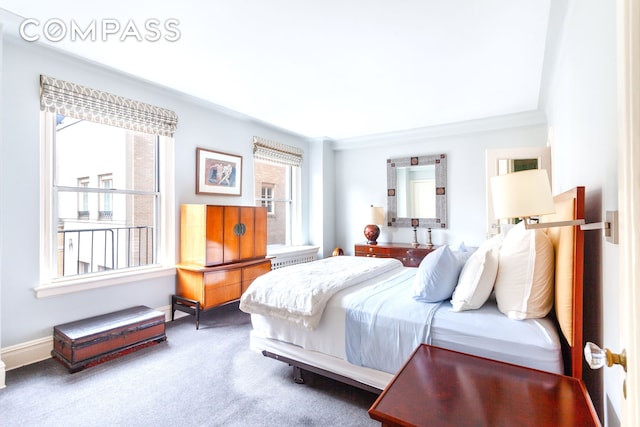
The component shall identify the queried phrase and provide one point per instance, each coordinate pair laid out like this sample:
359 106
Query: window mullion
104 190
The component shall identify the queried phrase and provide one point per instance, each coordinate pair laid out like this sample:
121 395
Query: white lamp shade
376 215
522 194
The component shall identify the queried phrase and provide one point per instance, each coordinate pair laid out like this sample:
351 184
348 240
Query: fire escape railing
109 249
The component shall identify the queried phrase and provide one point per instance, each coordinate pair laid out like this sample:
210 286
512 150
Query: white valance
276 152
70 99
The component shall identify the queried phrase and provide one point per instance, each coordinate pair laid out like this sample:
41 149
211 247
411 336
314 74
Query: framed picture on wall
218 173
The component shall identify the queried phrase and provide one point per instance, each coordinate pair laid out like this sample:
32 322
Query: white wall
2 205
361 179
23 317
321 167
581 111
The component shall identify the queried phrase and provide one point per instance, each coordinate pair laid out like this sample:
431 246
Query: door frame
628 48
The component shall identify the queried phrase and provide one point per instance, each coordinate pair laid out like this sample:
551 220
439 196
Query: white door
629 199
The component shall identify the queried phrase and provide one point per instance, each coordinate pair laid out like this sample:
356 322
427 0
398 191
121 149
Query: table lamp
372 231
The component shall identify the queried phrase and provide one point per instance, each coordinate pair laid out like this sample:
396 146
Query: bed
356 319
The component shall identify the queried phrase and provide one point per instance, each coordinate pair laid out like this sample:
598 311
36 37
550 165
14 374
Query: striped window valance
70 99
276 152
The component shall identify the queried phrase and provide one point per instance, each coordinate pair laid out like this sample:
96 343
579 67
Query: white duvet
299 293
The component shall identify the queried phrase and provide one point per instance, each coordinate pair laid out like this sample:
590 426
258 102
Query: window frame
106 199
83 199
165 262
293 176
267 198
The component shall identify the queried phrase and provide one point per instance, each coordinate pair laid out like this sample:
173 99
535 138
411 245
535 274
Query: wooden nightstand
447 388
405 252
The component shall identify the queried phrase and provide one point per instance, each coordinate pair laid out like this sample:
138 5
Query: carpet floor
205 377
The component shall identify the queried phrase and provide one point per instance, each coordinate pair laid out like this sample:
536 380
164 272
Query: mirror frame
440 162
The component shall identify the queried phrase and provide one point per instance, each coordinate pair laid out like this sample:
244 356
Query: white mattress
485 332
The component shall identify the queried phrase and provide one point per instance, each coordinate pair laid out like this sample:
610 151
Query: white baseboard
37 350
27 353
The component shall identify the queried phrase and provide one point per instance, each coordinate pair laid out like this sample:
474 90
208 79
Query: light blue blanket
384 324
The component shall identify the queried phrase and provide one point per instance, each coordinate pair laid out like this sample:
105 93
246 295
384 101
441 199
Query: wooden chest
89 341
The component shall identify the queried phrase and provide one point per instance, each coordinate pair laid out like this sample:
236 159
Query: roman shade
276 152
70 99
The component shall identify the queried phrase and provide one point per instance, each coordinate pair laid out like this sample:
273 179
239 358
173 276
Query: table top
447 388
397 245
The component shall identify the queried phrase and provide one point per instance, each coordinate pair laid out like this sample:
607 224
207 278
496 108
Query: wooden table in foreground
439 387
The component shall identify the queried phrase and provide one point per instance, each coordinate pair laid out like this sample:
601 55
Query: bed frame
571 340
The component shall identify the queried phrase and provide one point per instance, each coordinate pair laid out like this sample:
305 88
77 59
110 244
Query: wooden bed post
578 287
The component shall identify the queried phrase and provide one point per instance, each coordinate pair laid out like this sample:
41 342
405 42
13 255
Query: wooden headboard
568 243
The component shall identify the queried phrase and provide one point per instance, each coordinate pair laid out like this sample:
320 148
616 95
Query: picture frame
218 173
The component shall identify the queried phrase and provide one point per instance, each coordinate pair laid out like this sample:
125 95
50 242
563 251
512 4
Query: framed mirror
417 191
507 160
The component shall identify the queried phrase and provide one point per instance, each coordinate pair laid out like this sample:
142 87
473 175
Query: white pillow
437 276
477 277
524 284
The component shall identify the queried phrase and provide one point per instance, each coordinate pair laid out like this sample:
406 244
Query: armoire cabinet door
246 248
213 235
238 233
245 233
260 232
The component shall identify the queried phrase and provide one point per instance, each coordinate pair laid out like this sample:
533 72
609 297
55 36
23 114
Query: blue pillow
462 257
437 276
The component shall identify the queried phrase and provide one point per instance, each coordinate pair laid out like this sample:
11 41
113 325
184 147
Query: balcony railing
105 215
83 251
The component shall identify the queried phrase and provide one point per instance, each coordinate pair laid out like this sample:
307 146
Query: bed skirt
367 376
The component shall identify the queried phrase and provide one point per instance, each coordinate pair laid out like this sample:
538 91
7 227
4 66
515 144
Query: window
117 217
267 197
119 224
277 186
83 199
105 211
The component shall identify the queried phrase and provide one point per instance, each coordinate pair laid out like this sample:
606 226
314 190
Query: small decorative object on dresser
415 223
222 250
410 255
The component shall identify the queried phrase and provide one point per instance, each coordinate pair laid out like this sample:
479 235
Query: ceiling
332 68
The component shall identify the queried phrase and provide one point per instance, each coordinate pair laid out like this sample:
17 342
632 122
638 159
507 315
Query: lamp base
415 243
371 232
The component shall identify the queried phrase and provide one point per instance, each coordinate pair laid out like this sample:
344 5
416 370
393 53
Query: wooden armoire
222 250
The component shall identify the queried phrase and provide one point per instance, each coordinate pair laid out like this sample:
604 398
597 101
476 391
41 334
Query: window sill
92 282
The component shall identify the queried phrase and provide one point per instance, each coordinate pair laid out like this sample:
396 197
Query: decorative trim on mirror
399 182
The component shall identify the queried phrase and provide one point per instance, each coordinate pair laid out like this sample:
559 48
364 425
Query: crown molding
529 118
